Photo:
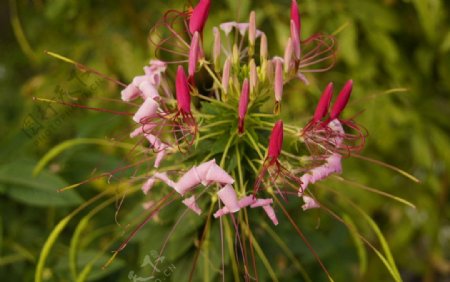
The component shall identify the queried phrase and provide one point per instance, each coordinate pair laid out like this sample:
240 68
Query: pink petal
229 198
148 185
148 90
271 214
261 203
310 203
217 175
192 204
188 181
131 92
144 129
147 110
182 91
247 201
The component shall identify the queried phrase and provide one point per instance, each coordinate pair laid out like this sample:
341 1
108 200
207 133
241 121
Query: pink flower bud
252 29
243 104
217 47
295 40
278 84
276 140
341 100
182 91
270 70
295 16
229 198
288 52
199 16
193 54
263 51
324 103
226 75
253 75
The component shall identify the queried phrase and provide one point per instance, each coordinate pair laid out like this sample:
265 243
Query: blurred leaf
38 191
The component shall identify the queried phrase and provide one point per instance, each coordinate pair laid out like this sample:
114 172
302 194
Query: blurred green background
396 51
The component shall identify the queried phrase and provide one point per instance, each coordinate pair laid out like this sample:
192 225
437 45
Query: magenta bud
276 140
243 104
193 54
182 91
295 16
199 16
341 100
324 103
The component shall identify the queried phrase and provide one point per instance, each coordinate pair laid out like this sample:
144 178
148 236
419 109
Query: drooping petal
199 16
271 214
310 203
147 110
182 91
217 175
192 204
148 90
341 100
229 198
